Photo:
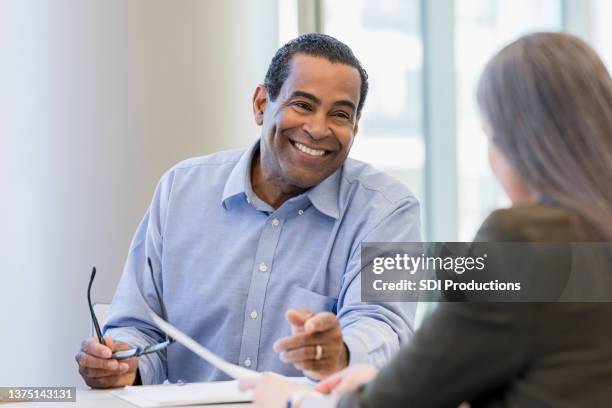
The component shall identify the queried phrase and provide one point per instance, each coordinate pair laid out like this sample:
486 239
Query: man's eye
302 105
342 115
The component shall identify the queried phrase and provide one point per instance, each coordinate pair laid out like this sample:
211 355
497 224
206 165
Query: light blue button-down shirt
229 265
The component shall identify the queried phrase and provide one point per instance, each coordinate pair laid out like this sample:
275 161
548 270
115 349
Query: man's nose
317 126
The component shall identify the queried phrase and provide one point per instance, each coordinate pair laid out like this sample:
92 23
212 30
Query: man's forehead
310 73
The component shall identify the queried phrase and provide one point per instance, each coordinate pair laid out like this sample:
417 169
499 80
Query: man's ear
260 101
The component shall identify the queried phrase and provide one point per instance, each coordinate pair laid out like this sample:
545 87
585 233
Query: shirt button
253 314
300 212
263 267
247 362
248 200
275 222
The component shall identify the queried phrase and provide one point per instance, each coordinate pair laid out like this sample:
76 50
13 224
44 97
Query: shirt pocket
300 298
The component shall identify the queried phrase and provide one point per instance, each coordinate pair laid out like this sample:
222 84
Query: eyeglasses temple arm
94 319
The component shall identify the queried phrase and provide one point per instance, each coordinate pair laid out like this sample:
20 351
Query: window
482 28
601 13
386 37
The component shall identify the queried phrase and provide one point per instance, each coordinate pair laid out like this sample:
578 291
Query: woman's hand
347 379
270 390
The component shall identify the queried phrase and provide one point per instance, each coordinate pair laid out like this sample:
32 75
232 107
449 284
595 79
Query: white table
102 399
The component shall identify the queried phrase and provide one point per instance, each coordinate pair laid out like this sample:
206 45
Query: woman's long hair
548 100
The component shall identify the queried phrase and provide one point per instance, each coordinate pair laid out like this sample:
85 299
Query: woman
546 102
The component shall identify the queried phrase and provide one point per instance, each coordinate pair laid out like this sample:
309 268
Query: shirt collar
324 196
239 180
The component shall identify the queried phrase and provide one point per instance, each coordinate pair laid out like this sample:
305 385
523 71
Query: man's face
308 130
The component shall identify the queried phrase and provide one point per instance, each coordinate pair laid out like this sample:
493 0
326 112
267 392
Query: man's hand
308 332
99 370
347 380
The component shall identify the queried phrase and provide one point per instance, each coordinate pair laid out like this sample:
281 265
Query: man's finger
99 372
110 342
95 382
313 365
96 349
89 361
321 322
297 318
108 382
297 340
299 354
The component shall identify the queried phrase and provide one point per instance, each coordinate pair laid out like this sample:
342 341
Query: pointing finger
321 322
297 318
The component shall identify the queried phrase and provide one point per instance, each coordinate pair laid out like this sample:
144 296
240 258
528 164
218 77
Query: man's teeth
308 150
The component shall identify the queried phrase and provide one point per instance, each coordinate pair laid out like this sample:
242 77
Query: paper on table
149 396
230 369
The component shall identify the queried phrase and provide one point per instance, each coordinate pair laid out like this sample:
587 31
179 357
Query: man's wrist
347 356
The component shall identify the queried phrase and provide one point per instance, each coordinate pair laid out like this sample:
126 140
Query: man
241 240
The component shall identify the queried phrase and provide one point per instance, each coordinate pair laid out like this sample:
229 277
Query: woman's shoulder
534 222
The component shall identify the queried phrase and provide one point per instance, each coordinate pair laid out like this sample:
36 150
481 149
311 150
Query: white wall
97 99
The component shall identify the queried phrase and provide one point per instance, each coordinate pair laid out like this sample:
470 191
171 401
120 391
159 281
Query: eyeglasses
136 351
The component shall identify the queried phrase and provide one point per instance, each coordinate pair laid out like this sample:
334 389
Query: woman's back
507 354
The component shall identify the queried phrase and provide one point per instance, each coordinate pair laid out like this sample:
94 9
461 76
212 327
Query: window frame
439 122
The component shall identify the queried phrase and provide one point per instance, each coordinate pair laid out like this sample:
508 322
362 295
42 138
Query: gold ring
319 352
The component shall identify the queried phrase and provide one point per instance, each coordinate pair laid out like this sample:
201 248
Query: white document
230 369
167 395
149 396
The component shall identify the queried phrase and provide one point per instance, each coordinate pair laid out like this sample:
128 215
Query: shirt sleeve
128 320
373 331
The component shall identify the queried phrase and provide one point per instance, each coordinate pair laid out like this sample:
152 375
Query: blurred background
99 97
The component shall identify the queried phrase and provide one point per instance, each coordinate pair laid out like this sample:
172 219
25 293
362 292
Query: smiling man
257 251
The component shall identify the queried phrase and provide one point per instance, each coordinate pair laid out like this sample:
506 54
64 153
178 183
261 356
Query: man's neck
269 187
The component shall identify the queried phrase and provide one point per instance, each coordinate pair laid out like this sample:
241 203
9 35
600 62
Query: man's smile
307 150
